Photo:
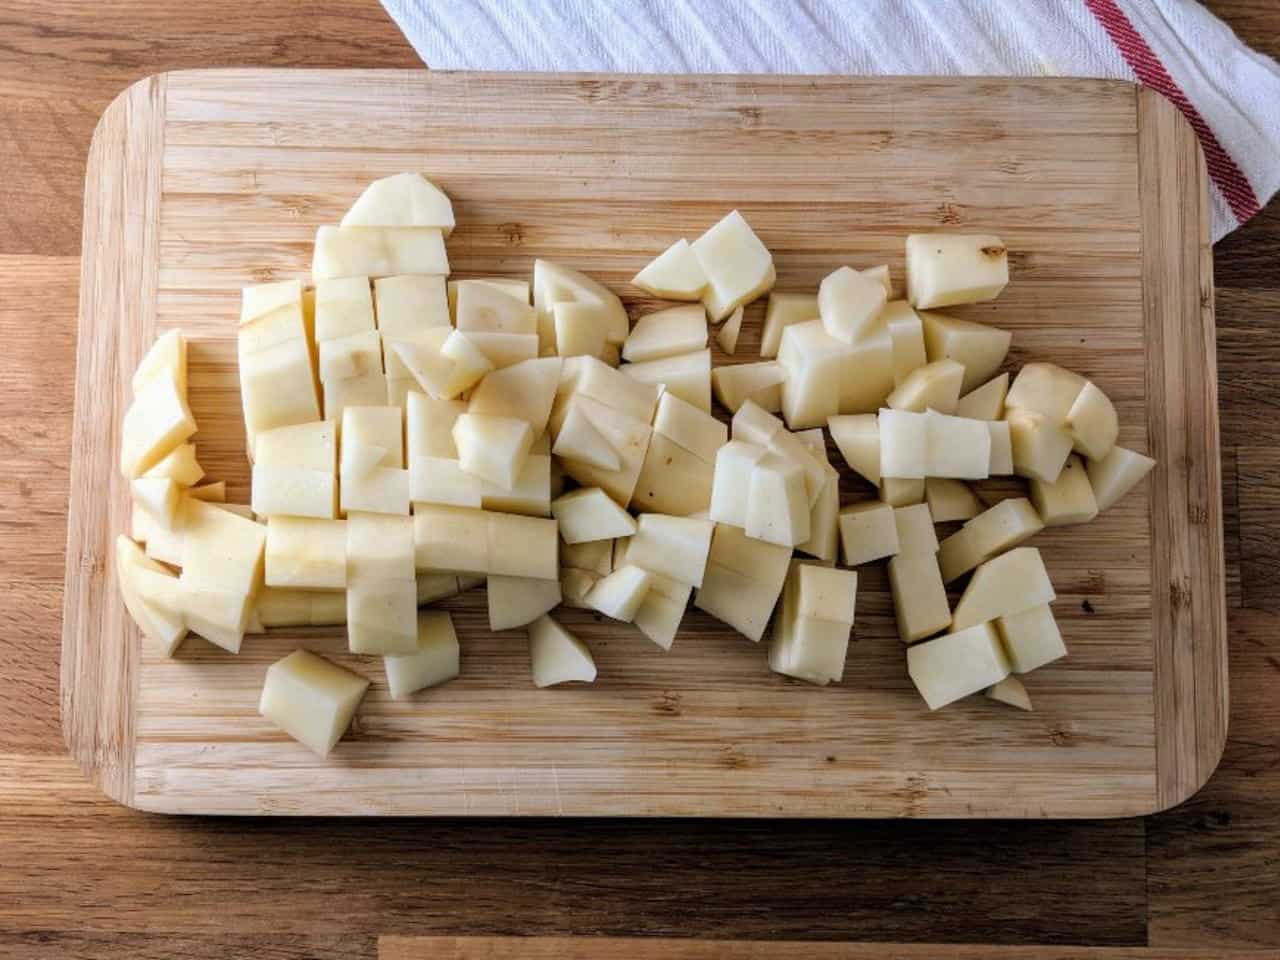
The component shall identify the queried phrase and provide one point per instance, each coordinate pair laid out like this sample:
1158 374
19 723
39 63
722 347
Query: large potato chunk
402 200
378 252
675 274
945 269
849 303
667 333
311 699
975 346
1008 584
955 665
1116 474
738 266
557 656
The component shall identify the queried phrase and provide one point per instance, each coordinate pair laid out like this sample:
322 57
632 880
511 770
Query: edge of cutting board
122 204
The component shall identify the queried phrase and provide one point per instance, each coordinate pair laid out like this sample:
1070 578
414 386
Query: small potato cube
737 265
993 531
354 355
410 303
661 610
1031 638
675 274
825 593
1045 388
906 332
157 421
904 445
454 539
168 352
667 333
950 500
1008 584
731 484
628 436
377 490
687 375
1092 423
985 402
675 547
1001 464
958 448
492 447
743 580
919 597
1068 500
435 661
523 390
343 307
179 465
1116 474
824 523
1040 446
578 439
857 436
511 287
382 617
378 252
783 310
557 656
868 531
429 426
588 513
761 383
915 529
935 386
956 665
221 550
849 304
579 332
727 335
306 553
522 546
978 348
777 504
690 427
442 480
673 480
620 594
481 307
945 269
379 548
515 601
311 699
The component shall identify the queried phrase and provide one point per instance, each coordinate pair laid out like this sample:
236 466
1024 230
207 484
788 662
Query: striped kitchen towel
1229 93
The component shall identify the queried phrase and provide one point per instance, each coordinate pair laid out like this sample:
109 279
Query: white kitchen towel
1228 92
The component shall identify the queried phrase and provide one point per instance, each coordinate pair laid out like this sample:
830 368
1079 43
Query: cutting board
201 182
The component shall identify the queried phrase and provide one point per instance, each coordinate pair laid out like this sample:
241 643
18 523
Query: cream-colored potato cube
1010 691
492 447
824 523
508 285
401 200
168 352
311 699
825 593
935 386
553 283
958 448
366 391
1040 445
344 306
742 580
287 491
868 531
612 388
904 445
220 616
880 274
783 310
825 376
978 348
1005 585
589 513
849 303
1045 388
408 304
578 439
531 493
945 268
810 650
162 545
898 492
1001 464
575 584
361 459
1068 500
595 556
524 390
956 665
422 358
777 504
263 298
278 387
675 547
307 446
221 550
753 424
163 629
1031 638
1092 423
379 548
436 660
731 482
382 617
351 356
919 597
620 594
914 524
761 383
285 608
628 436
470 363
377 252
813 465
906 332
727 335
451 539
579 332
692 428
429 426
950 500
672 480
285 324
667 333
662 609
995 530
179 465
157 422
1116 474
505 349
688 376
985 402
306 553
159 497
522 546
442 480
481 307
516 601
674 274
557 656
857 436
737 265
377 489
430 587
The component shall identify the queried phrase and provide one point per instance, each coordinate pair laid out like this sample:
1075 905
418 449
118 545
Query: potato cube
783 310
557 656
285 324
945 269
1031 638
510 286
522 546
429 426
435 661
410 303
159 497
179 465
343 307
672 480
777 504
857 437
306 553
620 594
955 665
868 531
351 356
814 364
1001 464
901 493
675 547
259 299
575 585
915 529
811 650
492 447
516 601
524 390
824 523
579 332
906 333
661 610
531 493
486 308
442 480
1005 585
737 265
220 549
753 424
993 531
727 335
825 593
382 617
578 439
379 548
978 348
628 436
1010 691
958 448
731 482
1040 446
377 252
157 421
1067 500
553 284
761 383
674 274
743 580
401 200
950 500
919 596
588 513
431 587
505 349
688 376
1092 423
614 389
904 445
376 490
690 427
168 352
366 391
935 386
849 304
283 490
278 387
311 699
985 402
593 555
667 333
1045 388
451 539
1116 474
163 629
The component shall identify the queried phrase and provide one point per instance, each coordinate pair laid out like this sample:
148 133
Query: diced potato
857 436
673 480
435 661
557 656
809 647
667 333
508 285
595 556
442 480
950 500
505 349
956 665
382 617
306 553
1092 423
179 465
731 482
737 265
675 547
445 363
285 608
307 446
727 335
753 424
492 447
311 699
1068 500
694 429
163 629
578 439
378 489
379 548
1116 474
366 391
783 310
1000 528
868 531
430 587
628 436
1031 638
522 546
351 356
904 445
605 385
825 593
1010 691
516 601
919 597
743 580
553 284
377 252
220 549
826 376
579 332
674 274
688 376
344 306
524 390
1001 464
958 448
736 383
1045 388
849 304
1005 585
157 421
167 352
409 304
263 298
985 402
159 497
662 609
914 524
285 324
1040 445
481 307
361 459
531 493
401 200
588 513
429 426
279 490
898 492
575 584
980 349
451 539
935 386
620 594
777 504
945 269
824 523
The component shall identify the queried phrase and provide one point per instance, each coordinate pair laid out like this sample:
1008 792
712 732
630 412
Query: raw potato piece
904 445
694 429
667 333
1009 584
311 699
629 437
163 629
355 355
732 481
408 304
761 383
433 663
378 252
525 390
481 307
777 505
578 330
673 480
306 553
935 386
343 306
1031 638
514 288
955 665
868 531
179 465
401 200
914 524
907 335
557 656
1116 474
590 514
919 597
553 284
1040 446
505 349
1068 500
975 346
958 448
945 269
169 352
727 336
743 580
516 601
442 361
738 266
881 276
1092 423
662 609
442 480
811 636
522 546
157 422
900 493
858 438
997 529
688 376
1045 388
950 500
450 539
159 497
826 376
675 274
1010 691
575 585
605 385
578 439
595 556
1001 448
849 304
382 590
492 447
429 426
783 310
985 402
531 493
620 594
675 547
824 523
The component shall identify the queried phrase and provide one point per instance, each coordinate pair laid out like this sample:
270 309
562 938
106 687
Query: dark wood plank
1259 521
65 945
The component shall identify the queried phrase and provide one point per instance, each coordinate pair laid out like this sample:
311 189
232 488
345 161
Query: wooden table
80 876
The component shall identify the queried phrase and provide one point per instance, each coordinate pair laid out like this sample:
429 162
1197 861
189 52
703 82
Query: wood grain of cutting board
202 182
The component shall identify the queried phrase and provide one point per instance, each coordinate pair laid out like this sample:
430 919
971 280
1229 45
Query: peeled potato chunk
436 660
675 274
849 303
557 656
955 665
402 200
738 266
1116 474
945 269
311 699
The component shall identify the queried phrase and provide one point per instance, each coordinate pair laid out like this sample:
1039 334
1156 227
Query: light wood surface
220 179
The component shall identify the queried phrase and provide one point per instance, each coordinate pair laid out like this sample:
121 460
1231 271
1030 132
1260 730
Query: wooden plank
1259 514
1188 579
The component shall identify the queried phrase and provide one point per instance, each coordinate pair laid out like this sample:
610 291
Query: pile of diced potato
413 437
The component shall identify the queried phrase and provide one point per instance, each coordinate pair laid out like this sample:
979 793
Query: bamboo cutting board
201 182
